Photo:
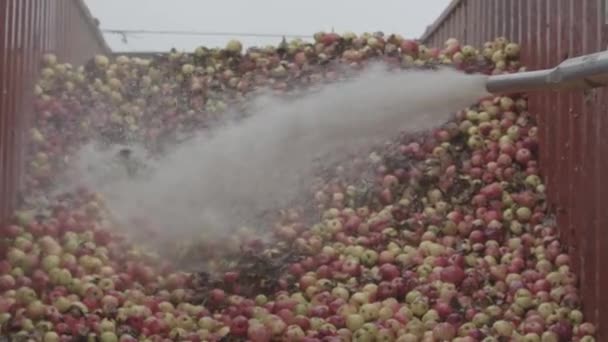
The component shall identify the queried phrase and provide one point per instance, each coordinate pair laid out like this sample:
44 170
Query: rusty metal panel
589 265
28 29
4 9
7 101
571 125
597 16
574 152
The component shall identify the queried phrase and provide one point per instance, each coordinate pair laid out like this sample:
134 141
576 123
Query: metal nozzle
584 72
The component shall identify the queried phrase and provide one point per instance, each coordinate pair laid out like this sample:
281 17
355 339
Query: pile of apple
442 236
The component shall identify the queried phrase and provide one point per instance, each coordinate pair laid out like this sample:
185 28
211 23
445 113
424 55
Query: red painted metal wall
28 29
573 125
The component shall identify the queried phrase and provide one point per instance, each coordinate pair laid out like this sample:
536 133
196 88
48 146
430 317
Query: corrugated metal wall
573 126
28 29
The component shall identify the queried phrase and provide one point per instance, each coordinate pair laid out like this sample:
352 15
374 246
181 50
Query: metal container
28 29
572 124
574 150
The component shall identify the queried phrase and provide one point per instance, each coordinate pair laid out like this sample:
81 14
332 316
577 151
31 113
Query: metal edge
143 53
90 19
431 29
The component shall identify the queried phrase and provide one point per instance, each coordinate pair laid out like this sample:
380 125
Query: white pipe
584 72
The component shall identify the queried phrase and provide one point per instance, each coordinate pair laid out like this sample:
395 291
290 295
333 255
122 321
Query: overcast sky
407 17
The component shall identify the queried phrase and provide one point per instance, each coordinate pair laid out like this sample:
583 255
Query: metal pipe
584 72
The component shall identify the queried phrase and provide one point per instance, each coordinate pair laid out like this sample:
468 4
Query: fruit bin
571 123
570 137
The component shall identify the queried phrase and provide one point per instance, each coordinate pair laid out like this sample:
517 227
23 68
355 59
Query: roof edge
431 29
88 16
